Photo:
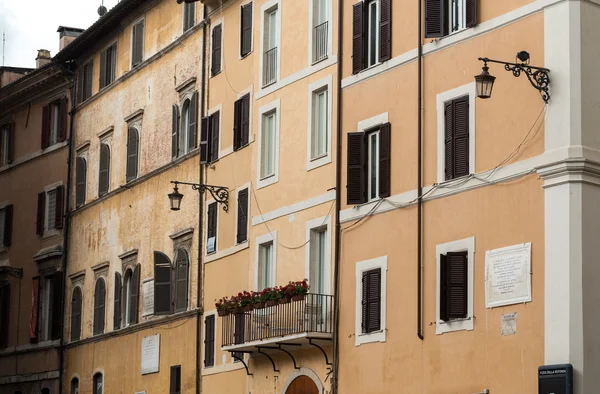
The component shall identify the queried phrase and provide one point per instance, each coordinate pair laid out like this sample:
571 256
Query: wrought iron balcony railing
320 42
270 67
312 314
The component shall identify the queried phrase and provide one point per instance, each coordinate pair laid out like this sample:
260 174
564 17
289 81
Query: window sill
314 63
212 75
50 234
454 325
267 181
375 336
245 56
318 162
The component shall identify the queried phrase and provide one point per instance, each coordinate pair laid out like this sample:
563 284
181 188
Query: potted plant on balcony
286 293
271 296
300 290
224 306
259 302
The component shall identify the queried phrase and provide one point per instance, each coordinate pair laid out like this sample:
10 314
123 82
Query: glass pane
272 21
321 11
373 165
373 28
317 262
127 298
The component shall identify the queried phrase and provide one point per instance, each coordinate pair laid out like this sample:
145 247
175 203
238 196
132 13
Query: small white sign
509 324
508 275
148 298
150 354
210 248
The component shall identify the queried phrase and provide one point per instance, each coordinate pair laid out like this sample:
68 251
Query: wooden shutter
103 71
371 300
364 302
385 31
33 314
181 280
162 284
8 223
246 39
89 80
460 151
245 133
117 301
135 290
45 126
132 154
453 286
41 213
4 314
216 49
471 19
80 82
76 314
104 170
99 306
80 181
211 230
60 198
193 128
11 142
209 341
443 288
237 124
385 157
214 137
175 132
448 142
57 292
204 125
356 168
358 42
242 218
138 43
175 384
62 125
436 13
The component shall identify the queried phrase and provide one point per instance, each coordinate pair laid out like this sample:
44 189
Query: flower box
298 297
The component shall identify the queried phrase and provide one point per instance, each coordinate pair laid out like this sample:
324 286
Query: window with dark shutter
356 169
89 75
46 126
99 306
204 139
214 137
41 213
242 216
175 132
436 15
117 301
385 148
371 300
104 170
453 286
175 380
108 65
135 290
241 122
137 44
385 30
133 143
8 225
456 138
80 181
163 303
209 341
181 280
471 13
76 301
193 124
4 314
56 305
246 30
211 231
103 70
189 15
216 49
358 40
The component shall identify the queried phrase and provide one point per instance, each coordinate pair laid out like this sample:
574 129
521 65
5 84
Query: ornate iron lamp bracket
219 193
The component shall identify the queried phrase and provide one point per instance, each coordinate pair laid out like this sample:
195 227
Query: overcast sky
31 25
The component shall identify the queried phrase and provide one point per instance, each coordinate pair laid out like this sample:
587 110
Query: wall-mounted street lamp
538 76
219 193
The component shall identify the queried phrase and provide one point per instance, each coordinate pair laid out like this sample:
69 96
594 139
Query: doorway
302 385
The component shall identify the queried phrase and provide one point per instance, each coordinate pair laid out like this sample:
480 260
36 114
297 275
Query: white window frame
142 20
215 23
207 204
312 225
468 245
365 126
249 216
311 27
49 232
377 37
265 109
462 18
264 9
207 314
261 240
242 4
380 335
313 88
441 100
184 4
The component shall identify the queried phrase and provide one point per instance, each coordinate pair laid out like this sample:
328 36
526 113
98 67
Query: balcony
293 323
270 67
320 36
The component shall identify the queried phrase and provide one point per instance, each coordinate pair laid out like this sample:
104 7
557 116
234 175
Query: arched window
80 181
98 384
131 286
185 127
181 280
75 386
76 314
133 143
104 174
99 306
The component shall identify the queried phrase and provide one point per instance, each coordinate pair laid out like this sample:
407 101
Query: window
181 280
246 30
117 304
320 126
209 137
85 78
50 210
241 122
217 36
76 305
448 16
7 143
242 216
98 384
6 221
265 266
75 386
131 288
371 301
108 65
80 181
133 147
211 230
318 248
137 44
54 123
104 170
270 42
456 138
320 27
185 128
267 158
209 341
368 170
4 314
45 325
171 283
454 290
175 384
189 15
99 306
371 34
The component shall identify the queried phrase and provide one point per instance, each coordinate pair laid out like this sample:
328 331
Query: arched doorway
302 385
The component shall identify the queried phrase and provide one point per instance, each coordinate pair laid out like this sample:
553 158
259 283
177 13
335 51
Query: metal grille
270 67
320 42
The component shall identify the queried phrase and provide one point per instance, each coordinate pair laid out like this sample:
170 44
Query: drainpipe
419 176
199 274
338 201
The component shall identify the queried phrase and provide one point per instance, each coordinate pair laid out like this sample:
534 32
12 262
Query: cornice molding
572 170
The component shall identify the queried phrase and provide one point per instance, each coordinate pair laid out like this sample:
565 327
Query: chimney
67 34
43 58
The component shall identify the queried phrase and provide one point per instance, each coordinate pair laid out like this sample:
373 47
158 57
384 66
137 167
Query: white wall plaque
509 324
148 298
508 275
150 354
